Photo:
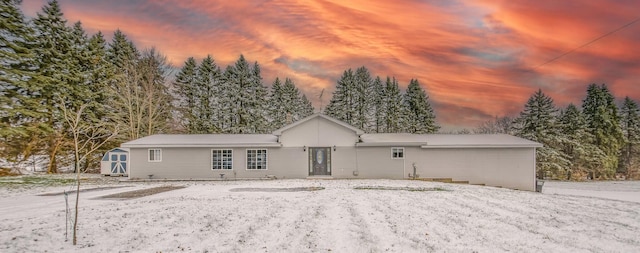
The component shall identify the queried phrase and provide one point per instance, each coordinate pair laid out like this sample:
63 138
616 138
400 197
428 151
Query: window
256 159
397 153
155 155
221 159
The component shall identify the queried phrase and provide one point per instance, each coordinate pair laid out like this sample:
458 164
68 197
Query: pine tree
187 92
394 119
584 157
537 122
20 128
305 107
287 105
630 123
420 116
276 105
259 102
246 99
602 119
378 106
341 105
55 74
208 97
362 107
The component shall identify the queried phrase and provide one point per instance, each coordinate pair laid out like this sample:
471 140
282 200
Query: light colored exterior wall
376 162
318 132
194 163
506 167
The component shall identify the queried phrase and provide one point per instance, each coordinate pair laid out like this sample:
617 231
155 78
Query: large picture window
221 159
256 159
155 155
397 153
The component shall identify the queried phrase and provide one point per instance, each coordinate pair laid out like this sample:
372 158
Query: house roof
343 124
446 140
204 140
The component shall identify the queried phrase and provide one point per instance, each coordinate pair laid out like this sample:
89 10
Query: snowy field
336 216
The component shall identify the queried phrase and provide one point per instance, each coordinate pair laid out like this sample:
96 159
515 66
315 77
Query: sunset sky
476 59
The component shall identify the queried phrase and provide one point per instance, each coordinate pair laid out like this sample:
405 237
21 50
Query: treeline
598 140
209 100
380 107
62 90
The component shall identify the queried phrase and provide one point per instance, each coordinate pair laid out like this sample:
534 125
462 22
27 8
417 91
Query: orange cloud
476 59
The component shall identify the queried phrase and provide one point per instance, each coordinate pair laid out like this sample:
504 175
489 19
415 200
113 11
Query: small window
123 158
221 159
256 159
155 155
397 153
114 157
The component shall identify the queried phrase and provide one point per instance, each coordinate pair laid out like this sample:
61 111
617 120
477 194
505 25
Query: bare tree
88 136
499 125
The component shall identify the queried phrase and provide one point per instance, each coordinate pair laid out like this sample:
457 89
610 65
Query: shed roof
341 123
446 140
205 140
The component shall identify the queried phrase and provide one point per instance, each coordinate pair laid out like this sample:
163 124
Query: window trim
266 161
149 155
395 150
222 161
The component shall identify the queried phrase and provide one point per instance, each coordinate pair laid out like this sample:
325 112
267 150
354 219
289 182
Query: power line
588 43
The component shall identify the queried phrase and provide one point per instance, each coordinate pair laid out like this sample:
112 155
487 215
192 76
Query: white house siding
376 162
506 167
495 160
195 163
318 132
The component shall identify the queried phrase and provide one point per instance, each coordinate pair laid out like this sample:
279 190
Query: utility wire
588 43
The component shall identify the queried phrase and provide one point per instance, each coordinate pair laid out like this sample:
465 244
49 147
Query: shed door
319 161
118 163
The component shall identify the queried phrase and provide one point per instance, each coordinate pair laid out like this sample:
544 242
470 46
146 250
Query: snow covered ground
618 190
229 217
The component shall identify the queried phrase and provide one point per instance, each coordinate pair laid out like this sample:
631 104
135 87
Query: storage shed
115 162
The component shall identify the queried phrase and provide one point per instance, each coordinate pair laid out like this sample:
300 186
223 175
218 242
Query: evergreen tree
286 104
362 109
260 106
246 99
630 123
276 105
305 108
56 74
394 116
584 157
602 119
341 105
294 105
20 128
187 92
207 95
537 122
378 106
420 116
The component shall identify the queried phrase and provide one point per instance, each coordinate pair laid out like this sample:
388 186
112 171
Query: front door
319 161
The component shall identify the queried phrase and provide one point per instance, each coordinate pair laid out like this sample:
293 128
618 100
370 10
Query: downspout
404 168
535 172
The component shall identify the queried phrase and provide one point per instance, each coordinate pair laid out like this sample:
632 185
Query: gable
318 131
